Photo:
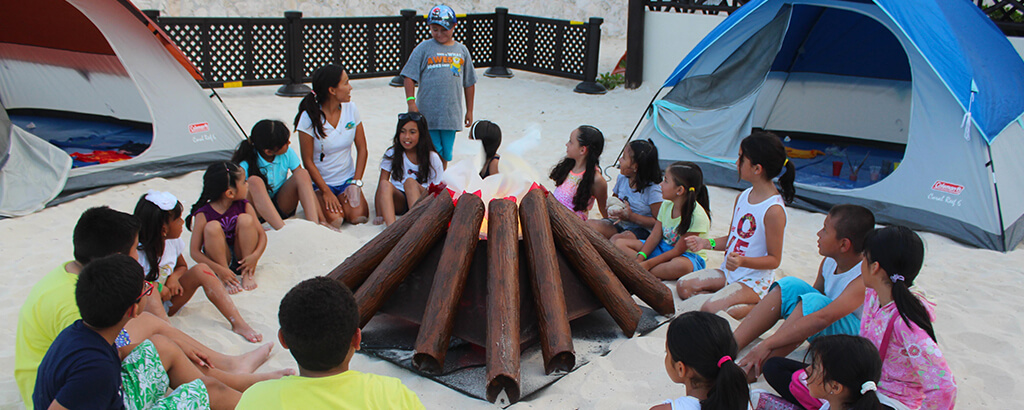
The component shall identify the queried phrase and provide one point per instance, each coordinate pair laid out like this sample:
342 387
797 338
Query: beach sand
977 291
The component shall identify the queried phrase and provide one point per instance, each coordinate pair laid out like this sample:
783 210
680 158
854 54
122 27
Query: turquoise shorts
695 259
443 140
795 291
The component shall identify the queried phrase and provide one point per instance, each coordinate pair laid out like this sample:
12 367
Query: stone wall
613 11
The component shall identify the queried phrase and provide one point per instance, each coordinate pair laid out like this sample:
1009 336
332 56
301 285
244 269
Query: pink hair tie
723 360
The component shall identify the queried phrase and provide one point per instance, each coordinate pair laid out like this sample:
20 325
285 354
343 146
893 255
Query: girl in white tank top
753 247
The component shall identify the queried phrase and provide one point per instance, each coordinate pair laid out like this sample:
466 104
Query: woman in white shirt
329 126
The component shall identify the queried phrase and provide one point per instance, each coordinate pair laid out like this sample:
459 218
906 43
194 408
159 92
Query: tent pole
999 205
229 111
631 134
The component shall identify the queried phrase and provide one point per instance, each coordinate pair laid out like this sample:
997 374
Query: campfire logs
380 266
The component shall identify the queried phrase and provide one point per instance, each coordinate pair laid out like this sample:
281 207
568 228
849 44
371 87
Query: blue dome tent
927 94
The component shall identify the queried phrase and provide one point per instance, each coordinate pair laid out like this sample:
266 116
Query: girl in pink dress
578 181
899 322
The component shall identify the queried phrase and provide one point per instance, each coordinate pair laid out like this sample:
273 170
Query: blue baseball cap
443 16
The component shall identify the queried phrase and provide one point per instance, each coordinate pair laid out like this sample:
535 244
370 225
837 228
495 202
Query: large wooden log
358 266
417 241
449 280
637 280
546 281
591 268
502 300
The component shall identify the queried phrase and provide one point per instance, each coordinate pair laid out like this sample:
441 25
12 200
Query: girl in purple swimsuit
233 245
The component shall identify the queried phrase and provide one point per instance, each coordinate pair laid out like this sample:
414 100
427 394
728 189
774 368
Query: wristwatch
356 182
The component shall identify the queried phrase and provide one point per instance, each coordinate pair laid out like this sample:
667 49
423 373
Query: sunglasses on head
147 289
412 116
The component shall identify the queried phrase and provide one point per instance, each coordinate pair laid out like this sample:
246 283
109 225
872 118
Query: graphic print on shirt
745 228
450 61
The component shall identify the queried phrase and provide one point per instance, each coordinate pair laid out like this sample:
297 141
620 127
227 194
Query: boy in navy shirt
82 368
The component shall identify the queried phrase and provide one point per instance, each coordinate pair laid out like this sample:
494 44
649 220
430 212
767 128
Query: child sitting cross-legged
831 306
82 368
320 327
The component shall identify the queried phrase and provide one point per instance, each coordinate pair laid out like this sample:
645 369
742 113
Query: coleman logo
200 127
947 187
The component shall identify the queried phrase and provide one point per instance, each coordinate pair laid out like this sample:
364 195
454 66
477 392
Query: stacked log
456 257
409 250
357 267
502 300
591 268
546 282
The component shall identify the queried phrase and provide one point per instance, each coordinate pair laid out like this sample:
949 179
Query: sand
977 291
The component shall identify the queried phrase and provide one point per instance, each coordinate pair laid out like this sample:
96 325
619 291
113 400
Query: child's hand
199 358
696 243
248 264
172 287
733 261
231 282
625 214
752 362
412 106
469 119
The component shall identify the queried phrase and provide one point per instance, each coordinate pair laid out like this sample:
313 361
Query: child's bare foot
249 362
246 331
378 220
248 282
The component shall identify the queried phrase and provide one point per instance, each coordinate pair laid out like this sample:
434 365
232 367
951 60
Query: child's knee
410 184
214 230
301 175
247 221
685 288
256 184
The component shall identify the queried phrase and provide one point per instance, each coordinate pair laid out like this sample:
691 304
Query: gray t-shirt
443 72
639 202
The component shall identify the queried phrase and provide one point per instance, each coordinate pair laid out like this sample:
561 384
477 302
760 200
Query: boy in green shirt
320 327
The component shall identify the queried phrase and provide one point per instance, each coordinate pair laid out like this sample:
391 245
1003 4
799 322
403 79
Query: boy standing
82 368
320 327
443 68
831 306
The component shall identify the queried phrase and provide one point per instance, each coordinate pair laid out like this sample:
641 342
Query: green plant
610 81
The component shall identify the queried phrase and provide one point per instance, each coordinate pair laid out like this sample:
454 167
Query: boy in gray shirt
443 68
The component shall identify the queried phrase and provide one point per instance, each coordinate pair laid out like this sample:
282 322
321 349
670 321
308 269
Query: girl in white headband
161 252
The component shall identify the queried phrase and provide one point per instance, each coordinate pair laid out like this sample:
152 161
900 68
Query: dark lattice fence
258 51
1007 14
250 50
692 6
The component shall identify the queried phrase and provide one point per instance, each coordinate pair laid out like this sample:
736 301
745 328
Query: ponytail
765 149
591 138
730 390
265 135
704 343
216 180
900 253
851 361
322 80
689 175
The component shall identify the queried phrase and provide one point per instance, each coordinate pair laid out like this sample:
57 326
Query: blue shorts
695 259
794 291
443 140
335 189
